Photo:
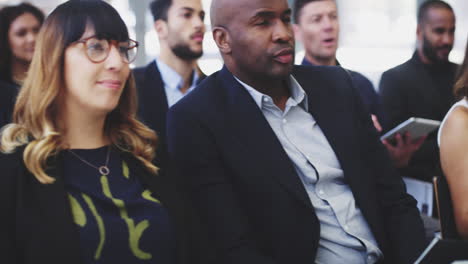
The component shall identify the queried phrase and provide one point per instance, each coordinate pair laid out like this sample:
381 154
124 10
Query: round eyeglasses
98 49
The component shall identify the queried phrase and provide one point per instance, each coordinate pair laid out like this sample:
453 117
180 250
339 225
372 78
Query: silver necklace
104 170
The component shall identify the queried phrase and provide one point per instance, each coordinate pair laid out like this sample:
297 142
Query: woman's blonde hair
35 116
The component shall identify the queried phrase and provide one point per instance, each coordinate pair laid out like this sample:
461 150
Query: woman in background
453 141
19 26
78 182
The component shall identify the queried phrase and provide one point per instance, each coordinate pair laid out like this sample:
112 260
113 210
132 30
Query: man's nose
282 32
448 38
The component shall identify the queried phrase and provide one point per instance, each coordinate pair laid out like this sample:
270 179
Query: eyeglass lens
98 49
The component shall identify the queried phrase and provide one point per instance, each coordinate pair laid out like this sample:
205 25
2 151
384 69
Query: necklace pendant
104 170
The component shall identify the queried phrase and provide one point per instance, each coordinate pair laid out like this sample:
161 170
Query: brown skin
436 36
257 43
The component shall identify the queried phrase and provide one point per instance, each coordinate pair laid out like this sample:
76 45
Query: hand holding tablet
417 127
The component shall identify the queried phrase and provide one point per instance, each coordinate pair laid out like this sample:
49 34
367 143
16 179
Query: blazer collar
155 83
255 133
254 130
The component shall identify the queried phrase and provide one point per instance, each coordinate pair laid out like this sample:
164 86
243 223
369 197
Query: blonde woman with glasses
78 182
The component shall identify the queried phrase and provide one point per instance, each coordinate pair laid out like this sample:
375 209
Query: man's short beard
185 53
431 51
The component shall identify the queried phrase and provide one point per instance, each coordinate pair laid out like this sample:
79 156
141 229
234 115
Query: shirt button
265 99
321 192
346 227
285 121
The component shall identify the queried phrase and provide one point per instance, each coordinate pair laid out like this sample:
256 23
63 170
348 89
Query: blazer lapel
332 117
254 131
153 99
327 111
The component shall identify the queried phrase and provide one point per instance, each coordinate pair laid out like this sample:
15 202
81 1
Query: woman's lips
111 84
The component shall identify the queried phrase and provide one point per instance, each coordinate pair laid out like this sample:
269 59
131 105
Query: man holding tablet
422 86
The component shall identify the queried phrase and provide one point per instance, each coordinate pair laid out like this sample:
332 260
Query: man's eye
262 23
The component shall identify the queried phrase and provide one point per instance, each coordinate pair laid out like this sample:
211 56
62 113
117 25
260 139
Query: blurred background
375 34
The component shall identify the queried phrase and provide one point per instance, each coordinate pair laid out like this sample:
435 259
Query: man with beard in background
160 84
422 86
180 28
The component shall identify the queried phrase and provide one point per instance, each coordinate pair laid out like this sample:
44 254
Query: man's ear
297 32
222 39
419 32
161 28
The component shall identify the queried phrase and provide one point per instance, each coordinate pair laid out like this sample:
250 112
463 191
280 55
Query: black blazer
152 110
37 225
250 198
152 100
152 103
409 91
8 94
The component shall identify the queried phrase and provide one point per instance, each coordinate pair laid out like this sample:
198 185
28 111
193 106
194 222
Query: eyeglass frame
111 42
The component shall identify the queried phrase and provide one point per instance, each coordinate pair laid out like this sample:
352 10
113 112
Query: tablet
444 251
417 127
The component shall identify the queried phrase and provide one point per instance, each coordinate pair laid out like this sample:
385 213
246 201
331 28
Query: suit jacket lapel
332 117
153 99
254 131
327 111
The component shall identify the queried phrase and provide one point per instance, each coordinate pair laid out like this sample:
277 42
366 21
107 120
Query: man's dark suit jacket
408 90
8 94
369 96
251 200
152 110
152 103
37 225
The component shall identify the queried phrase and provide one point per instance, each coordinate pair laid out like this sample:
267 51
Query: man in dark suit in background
422 86
282 162
317 26
180 28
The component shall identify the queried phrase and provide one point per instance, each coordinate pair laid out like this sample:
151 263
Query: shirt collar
171 78
297 93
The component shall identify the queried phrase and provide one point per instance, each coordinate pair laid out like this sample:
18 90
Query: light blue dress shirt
173 82
345 236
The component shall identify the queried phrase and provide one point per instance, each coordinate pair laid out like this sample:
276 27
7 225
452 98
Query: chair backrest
448 227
